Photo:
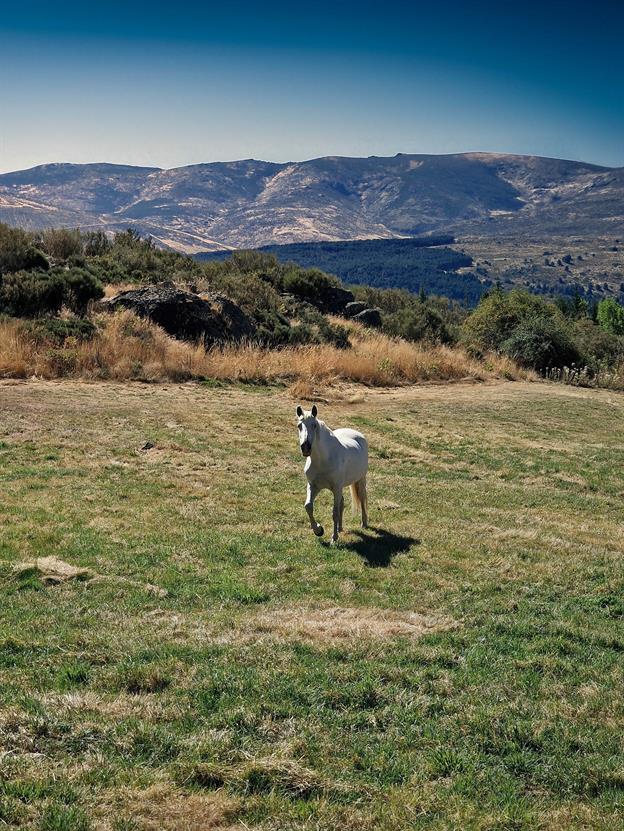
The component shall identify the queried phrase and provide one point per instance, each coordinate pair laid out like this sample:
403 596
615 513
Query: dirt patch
336 624
163 808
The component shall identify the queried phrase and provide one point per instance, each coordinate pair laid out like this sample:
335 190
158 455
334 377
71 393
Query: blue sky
166 85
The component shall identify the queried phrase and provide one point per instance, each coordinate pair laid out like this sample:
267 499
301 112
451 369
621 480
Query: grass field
458 666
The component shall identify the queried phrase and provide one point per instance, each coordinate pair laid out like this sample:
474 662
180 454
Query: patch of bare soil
336 624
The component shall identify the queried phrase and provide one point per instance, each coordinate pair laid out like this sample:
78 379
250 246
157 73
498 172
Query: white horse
335 459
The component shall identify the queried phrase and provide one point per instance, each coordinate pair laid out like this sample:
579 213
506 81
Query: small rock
354 308
369 317
148 445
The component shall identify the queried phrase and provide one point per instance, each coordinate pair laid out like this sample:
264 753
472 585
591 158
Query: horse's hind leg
309 506
361 490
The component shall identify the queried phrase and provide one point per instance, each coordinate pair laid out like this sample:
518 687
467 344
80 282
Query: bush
18 252
57 331
31 293
540 342
498 314
599 349
96 243
415 317
610 316
36 293
310 284
419 323
62 243
81 287
131 258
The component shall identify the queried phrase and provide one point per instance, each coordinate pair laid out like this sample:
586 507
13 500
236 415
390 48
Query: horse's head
308 428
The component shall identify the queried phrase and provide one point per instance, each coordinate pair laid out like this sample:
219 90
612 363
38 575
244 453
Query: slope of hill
253 203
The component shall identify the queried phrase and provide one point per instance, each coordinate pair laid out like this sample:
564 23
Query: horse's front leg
341 511
309 506
337 514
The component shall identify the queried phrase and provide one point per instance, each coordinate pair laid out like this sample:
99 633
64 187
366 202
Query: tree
610 316
498 314
540 342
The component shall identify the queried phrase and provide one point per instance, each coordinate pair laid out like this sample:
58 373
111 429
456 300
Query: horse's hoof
319 530
333 541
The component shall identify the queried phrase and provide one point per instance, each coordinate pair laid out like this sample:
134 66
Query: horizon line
311 159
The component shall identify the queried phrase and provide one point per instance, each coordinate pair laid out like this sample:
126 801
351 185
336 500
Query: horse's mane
324 426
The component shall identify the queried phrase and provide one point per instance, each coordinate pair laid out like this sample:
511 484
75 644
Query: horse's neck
323 445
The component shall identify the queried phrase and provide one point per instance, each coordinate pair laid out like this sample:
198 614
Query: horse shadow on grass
378 547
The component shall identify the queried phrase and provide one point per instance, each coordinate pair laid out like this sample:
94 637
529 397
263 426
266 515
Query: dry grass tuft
284 776
337 624
261 776
128 348
163 808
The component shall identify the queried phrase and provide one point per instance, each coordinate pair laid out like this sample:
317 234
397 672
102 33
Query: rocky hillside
252 203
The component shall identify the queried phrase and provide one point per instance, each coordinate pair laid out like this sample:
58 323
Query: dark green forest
420 263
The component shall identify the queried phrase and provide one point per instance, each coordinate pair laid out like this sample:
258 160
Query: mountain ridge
250 202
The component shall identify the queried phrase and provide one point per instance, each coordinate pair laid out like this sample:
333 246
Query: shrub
540 342
62 243
498 314
308 283
334 334
36 293
18 252
419 322
130 258
96 243
81 287
31 293
610 316
598 348
57 330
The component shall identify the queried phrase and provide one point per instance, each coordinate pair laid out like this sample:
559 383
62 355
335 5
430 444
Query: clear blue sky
170 84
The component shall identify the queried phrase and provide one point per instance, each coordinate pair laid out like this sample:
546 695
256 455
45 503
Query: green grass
497 509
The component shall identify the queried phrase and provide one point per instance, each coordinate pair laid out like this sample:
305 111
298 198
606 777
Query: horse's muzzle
306 448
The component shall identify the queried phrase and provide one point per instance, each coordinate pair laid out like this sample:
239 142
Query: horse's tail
356 503
358 495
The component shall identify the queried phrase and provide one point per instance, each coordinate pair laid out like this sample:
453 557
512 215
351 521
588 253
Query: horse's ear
299 411
314 410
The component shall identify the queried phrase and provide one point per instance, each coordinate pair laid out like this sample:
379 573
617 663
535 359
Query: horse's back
356 454
351 439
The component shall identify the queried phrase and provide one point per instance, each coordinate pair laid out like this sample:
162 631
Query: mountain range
247 204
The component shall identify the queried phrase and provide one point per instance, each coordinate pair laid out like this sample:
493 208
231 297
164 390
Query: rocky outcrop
369 317
210 317
354 308
334 300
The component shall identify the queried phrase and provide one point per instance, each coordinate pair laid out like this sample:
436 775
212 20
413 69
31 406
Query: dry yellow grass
337 624
163 808
127 348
